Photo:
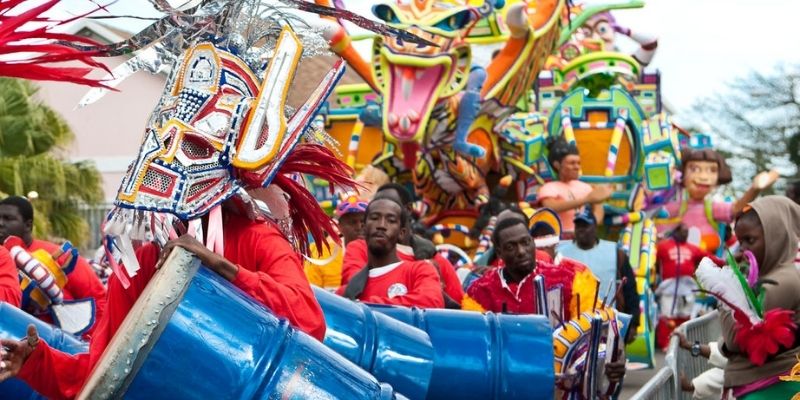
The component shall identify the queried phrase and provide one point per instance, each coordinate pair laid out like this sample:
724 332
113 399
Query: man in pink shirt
568 194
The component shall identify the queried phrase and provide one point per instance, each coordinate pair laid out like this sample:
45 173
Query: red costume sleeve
355 258
452 286
271 272
83 283
9 279
424 289
481 291
58 375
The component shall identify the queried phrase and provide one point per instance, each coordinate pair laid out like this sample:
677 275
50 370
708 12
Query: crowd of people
378 259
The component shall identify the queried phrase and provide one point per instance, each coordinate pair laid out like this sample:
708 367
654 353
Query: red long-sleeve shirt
269 270
355 258
9 279
405 283
82 283
494 293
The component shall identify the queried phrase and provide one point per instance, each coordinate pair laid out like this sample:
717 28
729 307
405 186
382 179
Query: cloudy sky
703 44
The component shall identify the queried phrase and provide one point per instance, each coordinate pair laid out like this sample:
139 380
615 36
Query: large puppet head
220 131
702 170
601 27
413 78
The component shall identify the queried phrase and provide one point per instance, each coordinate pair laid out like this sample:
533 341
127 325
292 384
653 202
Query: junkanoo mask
219 128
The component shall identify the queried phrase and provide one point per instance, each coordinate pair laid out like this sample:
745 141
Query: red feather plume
307 215
43 46
765 338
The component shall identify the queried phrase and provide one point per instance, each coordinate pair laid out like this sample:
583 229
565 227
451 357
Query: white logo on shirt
397 289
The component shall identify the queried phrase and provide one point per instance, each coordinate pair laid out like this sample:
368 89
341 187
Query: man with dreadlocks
218 152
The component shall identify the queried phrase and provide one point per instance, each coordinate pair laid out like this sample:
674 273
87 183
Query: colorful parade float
452 128
464 132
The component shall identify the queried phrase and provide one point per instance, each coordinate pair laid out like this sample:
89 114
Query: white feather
724 282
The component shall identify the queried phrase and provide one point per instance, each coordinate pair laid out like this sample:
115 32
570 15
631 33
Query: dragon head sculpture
414 78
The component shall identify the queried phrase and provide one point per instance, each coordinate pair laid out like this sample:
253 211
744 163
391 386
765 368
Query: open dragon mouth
411 96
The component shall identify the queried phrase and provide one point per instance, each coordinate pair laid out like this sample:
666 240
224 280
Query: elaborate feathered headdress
222 128
31 49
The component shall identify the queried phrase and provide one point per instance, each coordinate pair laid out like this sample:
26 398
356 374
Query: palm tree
33 138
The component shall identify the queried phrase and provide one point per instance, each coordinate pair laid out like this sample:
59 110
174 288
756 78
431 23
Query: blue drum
485 356
396 353
13 325
192 335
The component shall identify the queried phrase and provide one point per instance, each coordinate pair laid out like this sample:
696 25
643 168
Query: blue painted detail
485 356
467 111
392 351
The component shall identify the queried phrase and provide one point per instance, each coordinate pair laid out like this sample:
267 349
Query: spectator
709 384
385 279
607 261
325 269
769 228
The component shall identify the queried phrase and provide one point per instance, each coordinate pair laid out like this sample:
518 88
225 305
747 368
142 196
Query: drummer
386 279
16 219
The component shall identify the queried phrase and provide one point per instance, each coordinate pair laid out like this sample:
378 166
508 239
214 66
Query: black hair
405 216
542 229
750 214
558 148
22 204
505 224
405 195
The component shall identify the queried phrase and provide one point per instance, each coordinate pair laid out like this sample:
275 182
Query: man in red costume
16 219
386 279
409 248
246 224
510 288
9 280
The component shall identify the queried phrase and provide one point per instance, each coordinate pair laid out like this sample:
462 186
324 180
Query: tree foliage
757 121
33 139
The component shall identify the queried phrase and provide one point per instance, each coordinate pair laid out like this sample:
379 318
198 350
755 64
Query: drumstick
596 294
617 292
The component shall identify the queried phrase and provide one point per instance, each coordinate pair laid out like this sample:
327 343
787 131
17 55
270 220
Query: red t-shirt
405 283
680 258
269 271
355 258
9 279
82 283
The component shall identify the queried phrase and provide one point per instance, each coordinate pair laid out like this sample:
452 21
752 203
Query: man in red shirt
386 279
410 247
510 288
677 260
16 219
9 280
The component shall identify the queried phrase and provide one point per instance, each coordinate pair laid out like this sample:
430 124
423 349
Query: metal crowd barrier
659 387
703 329
666 384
